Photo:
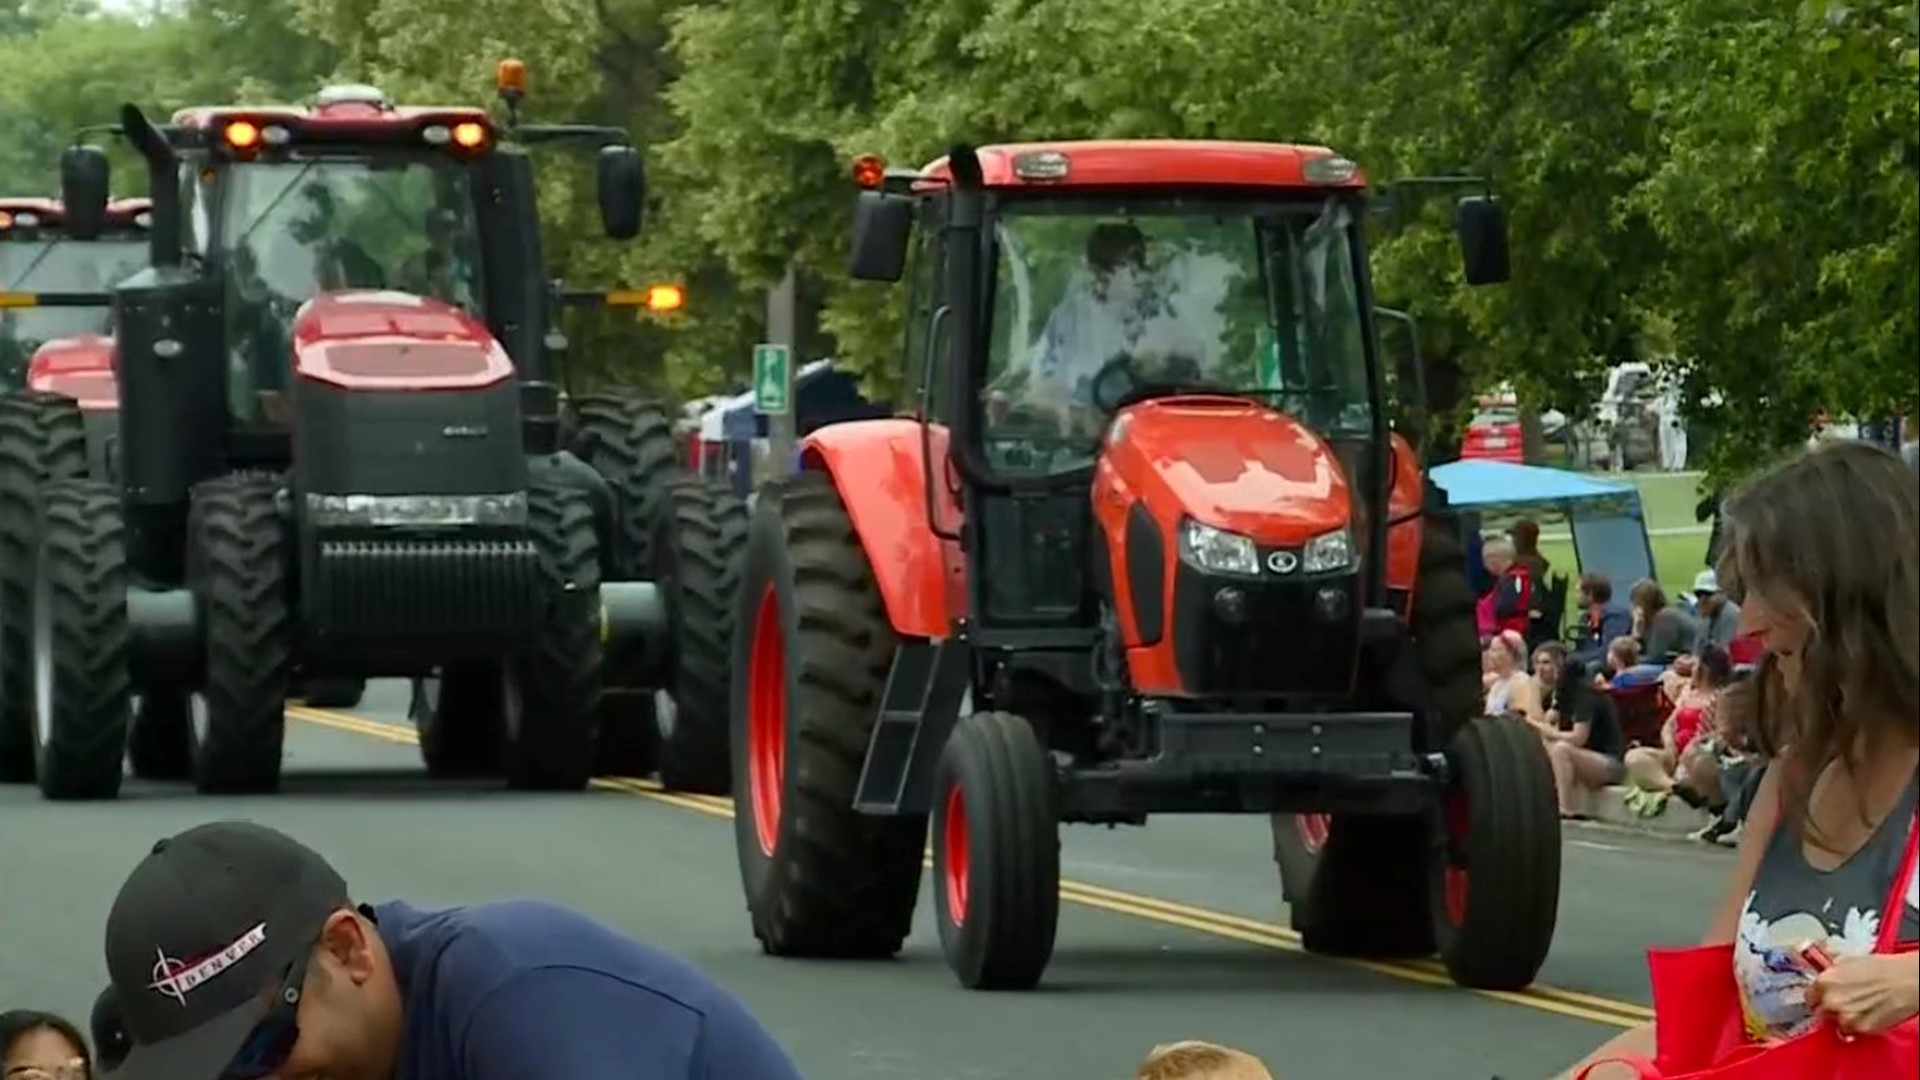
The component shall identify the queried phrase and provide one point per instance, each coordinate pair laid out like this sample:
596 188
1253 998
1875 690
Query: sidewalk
1674 823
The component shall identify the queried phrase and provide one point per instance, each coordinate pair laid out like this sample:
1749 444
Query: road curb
1609 807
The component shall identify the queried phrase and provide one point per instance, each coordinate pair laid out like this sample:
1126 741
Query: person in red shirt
1508 604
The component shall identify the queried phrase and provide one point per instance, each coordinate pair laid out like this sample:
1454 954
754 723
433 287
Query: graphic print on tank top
1792 903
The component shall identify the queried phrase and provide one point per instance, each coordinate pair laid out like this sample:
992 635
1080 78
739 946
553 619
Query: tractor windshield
1096 301
292 231
57 265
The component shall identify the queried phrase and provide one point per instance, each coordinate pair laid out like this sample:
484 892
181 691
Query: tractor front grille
451 590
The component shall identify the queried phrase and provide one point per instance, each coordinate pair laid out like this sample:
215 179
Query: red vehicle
1144 543
1494 435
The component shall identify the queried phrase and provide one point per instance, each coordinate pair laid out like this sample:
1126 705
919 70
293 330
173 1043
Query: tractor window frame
927 374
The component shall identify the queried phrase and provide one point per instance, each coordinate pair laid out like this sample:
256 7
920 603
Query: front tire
333 693
996 855
1496 886
459 714
80 644
237 568
43 438
552 693
811 650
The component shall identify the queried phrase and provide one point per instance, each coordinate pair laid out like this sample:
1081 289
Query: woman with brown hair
1825 853
1664 631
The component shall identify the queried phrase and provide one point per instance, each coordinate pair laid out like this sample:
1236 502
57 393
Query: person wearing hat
1719 617
236 953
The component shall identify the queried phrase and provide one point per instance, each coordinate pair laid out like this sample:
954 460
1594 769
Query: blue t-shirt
524 988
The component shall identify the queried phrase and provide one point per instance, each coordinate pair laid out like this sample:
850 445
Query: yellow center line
1573 1003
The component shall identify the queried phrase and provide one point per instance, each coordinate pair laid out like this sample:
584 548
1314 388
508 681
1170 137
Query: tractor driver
440 271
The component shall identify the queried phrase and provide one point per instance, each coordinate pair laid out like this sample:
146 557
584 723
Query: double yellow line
1590 1007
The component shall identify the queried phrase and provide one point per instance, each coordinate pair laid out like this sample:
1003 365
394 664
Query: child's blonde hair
1195 1060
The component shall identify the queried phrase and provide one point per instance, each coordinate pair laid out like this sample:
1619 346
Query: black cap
202 933
109 1034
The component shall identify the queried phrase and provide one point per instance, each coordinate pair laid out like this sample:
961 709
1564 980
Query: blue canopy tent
1604 516
821 396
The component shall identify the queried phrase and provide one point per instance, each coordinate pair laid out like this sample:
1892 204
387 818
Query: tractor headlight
1328 552
1217 550
417 511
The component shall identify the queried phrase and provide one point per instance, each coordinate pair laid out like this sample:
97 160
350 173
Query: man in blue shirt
236 954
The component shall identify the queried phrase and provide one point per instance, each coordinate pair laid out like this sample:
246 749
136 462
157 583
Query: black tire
812 638
42 438
1503 837
333 693
160 743
629 442
553 691
237 568
80 642
697 556
996 853
460 716
1446 635
1297 856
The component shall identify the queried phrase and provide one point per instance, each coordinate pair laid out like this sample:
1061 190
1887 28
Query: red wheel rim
1313 829
953 856
767 721
1455 876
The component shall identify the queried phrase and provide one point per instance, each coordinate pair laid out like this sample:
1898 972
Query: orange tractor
1147 544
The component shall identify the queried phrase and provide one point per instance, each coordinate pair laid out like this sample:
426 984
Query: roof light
1040 165
510 77
1328 170
869 171
6 220
242 135
469 136
26 219
436 135
351 94
144 219
275 135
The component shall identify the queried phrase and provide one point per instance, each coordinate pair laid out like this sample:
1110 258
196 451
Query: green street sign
1267 360
772 380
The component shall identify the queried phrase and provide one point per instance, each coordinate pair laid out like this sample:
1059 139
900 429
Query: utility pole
773 375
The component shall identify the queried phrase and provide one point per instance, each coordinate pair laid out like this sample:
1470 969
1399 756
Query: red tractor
343 457
1149 545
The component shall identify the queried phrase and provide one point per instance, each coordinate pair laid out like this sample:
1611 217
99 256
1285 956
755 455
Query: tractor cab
39 254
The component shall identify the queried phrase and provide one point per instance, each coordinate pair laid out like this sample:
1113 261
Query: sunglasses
268 1046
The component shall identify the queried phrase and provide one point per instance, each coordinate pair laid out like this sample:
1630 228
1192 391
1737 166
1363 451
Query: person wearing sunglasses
235 953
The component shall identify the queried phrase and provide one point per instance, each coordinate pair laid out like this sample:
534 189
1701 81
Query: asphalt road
1170 932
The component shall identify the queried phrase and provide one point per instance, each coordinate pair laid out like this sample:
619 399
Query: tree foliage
1723 187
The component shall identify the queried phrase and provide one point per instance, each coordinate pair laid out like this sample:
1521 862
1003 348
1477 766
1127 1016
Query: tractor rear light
469 136
1218 551
1328 170
416 511
1040 165
242 135
1328 552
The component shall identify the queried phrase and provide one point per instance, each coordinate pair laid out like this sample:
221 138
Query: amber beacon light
510 77
869 171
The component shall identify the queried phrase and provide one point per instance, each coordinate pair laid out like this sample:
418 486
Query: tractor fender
1405 502
879 469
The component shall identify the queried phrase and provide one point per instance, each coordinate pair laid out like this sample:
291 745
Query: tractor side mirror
882 224
1482 226
85 178
621 178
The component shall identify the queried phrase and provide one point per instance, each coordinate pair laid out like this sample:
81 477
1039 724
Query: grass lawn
1668 500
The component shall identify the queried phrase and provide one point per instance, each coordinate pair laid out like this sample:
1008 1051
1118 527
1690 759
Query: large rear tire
996 853
811 650
1496 886
79 643
697 556
1446 635
42 438
629 442
552 693
237 569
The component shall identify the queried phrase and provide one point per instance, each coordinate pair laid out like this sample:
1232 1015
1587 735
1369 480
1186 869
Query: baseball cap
203 932
1706 581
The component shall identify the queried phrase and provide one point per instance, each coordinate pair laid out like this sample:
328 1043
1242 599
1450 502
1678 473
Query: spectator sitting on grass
1194 1060
1664 631
1737 768
1510 690
1579 726
1624 668
1605 621
1686 760
1719 617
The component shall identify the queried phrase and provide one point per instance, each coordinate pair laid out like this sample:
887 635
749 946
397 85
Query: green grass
1668 500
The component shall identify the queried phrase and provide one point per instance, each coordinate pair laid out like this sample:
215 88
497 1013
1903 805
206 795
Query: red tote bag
1700 1029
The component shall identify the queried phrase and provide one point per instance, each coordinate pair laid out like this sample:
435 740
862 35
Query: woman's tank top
1500 695
1792 903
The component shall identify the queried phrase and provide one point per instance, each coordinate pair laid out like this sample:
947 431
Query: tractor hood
81 367
369 340
1230 463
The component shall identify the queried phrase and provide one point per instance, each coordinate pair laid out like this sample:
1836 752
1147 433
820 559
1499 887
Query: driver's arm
584 1025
